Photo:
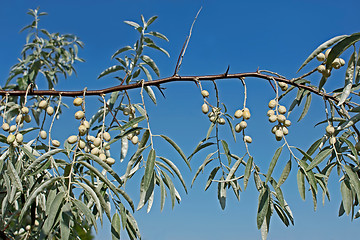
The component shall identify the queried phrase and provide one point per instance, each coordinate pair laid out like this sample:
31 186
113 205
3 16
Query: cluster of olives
277 115
337 63
133 136
245 115
330 130
215 114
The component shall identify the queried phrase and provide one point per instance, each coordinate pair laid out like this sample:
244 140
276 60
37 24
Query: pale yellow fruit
246 113
79 115
19 119
24 110
282 109
321 68
27 118
287 123
272 103
357 146
78 101
205 108
87 149
211 114
221 121
247 139
332 140
107 136
342 61
327 53
205 93
129 136
43 134
274 129
135 139
273 118
10 138
284 87
330 129
279 133
82 130
285 130
270 113
238 113
238 128
12 128
50 110
243 124
72 139
94 151
19 138
97 142
55 143
28 227
135 125
110 161
102 156
107 146
86 124
81 144
336 63
212 119
90 138
5 126
281 118
36 223
43 104
132 109
320 57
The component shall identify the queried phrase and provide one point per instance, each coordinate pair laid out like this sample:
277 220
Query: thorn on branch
227 71
160 89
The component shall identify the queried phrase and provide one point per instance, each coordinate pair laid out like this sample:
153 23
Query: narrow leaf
247 171
285 173
306 106
177 148
319 158
109 70
273 163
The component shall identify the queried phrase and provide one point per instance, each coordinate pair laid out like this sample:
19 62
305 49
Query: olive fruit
287 123
238 114
110 161
94 151
330 129
43 134
97 142
77 101
326 73
27 118
135 139
72 139
5 126
79 115
82 130
247 139
279 133
24 110
10 138
212 119
285 130
273 118
321 68
281 118
238 128
270 113
43 104
50 110
272 103
246 113
81 144
205 108
320 57
86 124
283 86
221 121
336 63
243 124
19 138
55 143
107 136
282 109
332 140
205 93
102 156
19 119
342 61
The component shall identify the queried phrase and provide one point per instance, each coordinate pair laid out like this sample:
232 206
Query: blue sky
272 35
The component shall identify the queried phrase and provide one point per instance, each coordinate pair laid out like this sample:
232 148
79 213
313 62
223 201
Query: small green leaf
124 49
319 158
151 93
248 171
151 64
349 76
212 125
149 169
115 227
354 179
285 173
263 205
301 183
273 163
211 177
109 70
222 193
133 24
306 106
176 170
207 160
177 148
226 150
347 196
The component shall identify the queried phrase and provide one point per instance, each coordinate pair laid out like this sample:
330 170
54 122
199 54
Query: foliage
53 192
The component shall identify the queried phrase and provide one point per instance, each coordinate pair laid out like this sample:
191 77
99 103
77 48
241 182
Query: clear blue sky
272 35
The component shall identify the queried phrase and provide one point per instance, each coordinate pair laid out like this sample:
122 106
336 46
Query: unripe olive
24 110
43 104
321 68
221 121
243 124
320 57
81 144
285 130
283 86
246 113
90 138
238 128
274 129
273 118
97 142
281 118
94 151
332 140
272 103
107 136
204 93
10 138
336 63
342 61
55 143
287 123
5 126
79 114
279 133
50 110
86 124
110 161
102 156
43 134
327 53
205 108
248 139
72 139
129 136
82 130
77 101
12 128
107 146
211 114
330 129
19 138
19 119
135 139
27 118
238 113
270 113
282 109
212 119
